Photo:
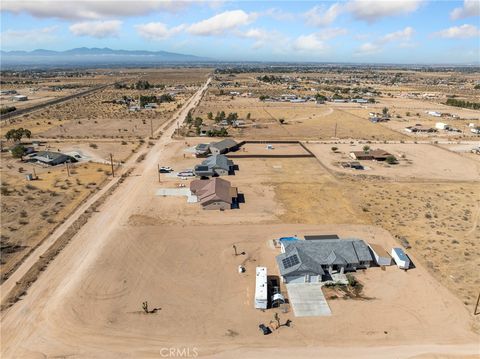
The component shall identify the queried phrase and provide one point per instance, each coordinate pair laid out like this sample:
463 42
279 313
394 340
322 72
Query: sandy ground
87 303
416 161
303 120
96 285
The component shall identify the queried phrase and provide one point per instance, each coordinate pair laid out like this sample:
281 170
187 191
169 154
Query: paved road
167 129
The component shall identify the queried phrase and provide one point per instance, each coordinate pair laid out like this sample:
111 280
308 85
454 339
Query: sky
360 31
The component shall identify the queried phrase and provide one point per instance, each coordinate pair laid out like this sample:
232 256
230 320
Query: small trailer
261 290
400 258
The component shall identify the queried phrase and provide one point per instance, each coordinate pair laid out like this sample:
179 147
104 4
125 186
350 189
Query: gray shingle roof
225 144
315 253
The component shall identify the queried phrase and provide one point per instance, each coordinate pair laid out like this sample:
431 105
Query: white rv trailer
261 292
400 258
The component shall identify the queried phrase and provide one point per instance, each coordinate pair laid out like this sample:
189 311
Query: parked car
165 169
188 173
264 329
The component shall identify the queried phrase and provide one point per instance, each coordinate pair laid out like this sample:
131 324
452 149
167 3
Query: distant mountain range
85 56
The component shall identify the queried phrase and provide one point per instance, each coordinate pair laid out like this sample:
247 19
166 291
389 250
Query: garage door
296 279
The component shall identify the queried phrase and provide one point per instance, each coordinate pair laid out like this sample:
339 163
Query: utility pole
111 164
151 128
34 173
68 169
158 168
335 135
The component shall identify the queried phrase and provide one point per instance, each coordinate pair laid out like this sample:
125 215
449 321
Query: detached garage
382 258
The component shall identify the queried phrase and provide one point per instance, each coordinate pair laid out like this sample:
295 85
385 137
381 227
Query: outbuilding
382 258
400 258
224 146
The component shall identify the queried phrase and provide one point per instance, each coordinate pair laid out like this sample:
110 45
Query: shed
261 288
380 254
400 258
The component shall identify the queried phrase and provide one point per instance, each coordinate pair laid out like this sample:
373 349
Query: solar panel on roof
290 261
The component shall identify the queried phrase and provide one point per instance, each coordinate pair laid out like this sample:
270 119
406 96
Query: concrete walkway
307 300
178 192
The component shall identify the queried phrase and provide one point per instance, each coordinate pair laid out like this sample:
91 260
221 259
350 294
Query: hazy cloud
470 8
157 30
459 32
320 16
368 48
402 35
260 36
372 10
12 38
311 42
90 9
219 24
98 29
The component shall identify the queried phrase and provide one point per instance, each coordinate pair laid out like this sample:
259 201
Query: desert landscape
110 253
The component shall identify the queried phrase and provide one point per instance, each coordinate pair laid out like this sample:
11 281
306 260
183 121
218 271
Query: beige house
214 193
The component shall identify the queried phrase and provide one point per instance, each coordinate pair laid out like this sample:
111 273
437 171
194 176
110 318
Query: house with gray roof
216 165
51 158
223 146
310 261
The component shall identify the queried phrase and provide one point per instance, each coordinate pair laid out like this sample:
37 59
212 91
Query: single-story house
223 146
414 129
377 155
215 165
20 98
51 158
313 261
214 193
202 149
380 254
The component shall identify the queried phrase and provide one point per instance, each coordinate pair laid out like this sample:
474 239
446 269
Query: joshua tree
366 148
145 307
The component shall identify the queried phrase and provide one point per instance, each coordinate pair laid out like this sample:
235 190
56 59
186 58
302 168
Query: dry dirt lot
181 260
31 210
302 121
415 162
440 221
91 117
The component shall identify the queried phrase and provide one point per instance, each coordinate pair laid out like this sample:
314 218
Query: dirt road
167 129
86 303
